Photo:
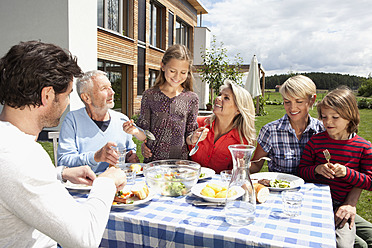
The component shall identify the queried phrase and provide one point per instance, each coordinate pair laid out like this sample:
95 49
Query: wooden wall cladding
116 48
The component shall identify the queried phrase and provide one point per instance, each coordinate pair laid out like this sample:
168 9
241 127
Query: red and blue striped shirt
354 153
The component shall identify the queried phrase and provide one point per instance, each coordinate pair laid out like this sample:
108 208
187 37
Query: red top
217 155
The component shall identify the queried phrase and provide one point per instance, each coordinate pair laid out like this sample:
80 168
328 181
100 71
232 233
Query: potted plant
209 106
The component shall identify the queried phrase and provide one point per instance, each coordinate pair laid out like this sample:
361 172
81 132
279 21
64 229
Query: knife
204 203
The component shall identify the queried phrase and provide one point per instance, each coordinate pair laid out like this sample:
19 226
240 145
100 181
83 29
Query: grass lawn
276 112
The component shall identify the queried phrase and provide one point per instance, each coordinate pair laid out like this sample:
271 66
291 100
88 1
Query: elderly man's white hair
85 82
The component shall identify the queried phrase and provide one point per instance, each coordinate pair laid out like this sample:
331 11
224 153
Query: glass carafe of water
241 210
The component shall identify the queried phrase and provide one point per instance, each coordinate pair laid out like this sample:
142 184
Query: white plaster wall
202 90
202 41
71 24
82 38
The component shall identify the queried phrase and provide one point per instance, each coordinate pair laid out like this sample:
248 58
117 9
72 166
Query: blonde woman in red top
232 122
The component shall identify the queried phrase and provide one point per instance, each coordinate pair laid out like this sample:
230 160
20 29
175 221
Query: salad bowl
172 177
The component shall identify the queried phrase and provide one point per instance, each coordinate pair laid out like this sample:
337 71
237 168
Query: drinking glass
241 210
226 175
292 202
131 177
121 151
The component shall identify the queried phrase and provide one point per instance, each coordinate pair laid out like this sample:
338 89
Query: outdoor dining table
176 222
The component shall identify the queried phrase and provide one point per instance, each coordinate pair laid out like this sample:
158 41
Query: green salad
277 183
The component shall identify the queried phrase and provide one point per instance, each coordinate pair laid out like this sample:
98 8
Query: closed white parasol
253 80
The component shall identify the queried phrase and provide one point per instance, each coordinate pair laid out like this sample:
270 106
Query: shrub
364 103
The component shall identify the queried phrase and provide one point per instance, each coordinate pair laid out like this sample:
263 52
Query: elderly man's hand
131 157
344 214
79 175
107 154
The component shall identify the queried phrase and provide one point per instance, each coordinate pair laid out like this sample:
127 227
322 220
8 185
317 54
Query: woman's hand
193 138
146 152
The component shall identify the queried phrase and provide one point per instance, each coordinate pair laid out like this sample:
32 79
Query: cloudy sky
295 35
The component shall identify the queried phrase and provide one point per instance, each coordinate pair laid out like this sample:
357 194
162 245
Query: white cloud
301 36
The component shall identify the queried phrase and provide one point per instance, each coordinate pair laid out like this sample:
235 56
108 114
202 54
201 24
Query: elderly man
89 134
36 210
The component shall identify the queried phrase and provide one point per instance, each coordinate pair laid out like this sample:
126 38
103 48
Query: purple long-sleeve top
171 120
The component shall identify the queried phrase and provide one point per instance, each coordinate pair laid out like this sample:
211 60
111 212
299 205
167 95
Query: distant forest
322 80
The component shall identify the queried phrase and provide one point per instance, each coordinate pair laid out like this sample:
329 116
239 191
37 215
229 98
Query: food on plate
217 191
202 175
138 192
265 182
262 192
222 193
123 197
207 191
217 188
136 167
276 183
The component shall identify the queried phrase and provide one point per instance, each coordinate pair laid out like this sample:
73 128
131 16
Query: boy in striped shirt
350 167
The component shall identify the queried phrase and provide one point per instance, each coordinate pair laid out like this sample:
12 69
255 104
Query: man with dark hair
35 208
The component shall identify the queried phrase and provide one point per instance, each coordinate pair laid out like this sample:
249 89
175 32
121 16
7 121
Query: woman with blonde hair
284 140
232 122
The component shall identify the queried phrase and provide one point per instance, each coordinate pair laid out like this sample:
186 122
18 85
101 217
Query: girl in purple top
169 109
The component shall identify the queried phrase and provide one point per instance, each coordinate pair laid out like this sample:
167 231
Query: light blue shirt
80 138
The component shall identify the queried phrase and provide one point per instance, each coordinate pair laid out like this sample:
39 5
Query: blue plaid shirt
279 140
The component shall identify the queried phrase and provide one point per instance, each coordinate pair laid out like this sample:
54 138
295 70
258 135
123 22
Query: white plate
198 187
294 181
136 201
70 185
208 172
126 166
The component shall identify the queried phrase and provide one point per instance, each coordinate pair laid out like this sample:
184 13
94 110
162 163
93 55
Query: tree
216 67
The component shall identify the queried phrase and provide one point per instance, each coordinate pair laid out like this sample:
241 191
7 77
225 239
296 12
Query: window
156 24
153 75
113 15
116 15
170 28
100 13
116 74
142 20
141 70
128 18
182 33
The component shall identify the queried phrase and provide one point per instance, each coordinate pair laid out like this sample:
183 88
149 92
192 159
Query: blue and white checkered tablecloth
175 222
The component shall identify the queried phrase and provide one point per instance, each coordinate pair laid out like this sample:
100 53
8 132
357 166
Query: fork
148 134
264 158
327 155
196 147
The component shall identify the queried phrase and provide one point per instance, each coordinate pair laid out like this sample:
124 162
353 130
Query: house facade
132 36
125 38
